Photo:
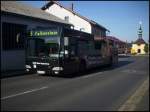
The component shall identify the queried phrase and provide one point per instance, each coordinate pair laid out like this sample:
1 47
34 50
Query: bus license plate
41 72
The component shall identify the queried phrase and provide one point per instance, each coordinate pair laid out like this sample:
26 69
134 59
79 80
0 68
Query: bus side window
82 47
73 46
72 50
98 45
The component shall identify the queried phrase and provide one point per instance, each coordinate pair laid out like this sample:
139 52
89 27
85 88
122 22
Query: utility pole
126 49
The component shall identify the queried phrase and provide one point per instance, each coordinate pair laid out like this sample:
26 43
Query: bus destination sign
42 33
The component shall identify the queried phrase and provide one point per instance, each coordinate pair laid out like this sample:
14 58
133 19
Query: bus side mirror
66 44
66 41
66 53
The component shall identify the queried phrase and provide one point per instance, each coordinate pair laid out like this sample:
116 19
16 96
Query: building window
13 36
67 18
98 45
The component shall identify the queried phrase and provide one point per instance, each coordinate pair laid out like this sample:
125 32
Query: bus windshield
39 48
43 42
51 49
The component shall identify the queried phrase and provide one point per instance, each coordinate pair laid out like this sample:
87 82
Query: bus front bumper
53 71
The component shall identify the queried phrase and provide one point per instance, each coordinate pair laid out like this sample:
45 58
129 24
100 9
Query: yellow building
139 44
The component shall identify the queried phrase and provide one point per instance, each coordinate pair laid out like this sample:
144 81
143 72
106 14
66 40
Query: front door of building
139 50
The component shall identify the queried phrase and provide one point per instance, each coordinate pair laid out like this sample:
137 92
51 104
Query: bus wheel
82 67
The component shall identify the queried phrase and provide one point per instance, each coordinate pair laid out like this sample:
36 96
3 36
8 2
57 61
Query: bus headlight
28 66
57 68
27 70
34 66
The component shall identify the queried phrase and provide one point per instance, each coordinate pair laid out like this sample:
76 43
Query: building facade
120 45
139 45
79 22
16 19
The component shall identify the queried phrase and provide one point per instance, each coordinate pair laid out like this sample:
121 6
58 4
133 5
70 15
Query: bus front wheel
82 67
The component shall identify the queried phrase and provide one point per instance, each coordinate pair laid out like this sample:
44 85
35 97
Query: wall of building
78 22
135 48
15 59
121 48
98 32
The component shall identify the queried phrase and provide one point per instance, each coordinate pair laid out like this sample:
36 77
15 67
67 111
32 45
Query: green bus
57 51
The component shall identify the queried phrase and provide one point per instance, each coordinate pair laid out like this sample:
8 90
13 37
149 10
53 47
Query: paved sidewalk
139 100
127 55
144 103
12 73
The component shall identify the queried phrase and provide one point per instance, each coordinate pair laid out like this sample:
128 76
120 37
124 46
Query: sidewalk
143 105
12 73
139 100
127 55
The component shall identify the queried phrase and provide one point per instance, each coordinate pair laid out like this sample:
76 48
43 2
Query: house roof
139 41
19 8
115 39
129 45
90 21
112 38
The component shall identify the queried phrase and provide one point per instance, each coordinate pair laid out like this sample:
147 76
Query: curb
134 100
12 74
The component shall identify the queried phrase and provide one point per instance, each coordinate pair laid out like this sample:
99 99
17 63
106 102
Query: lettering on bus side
94 60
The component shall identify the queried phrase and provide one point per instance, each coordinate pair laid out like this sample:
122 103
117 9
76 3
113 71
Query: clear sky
120 17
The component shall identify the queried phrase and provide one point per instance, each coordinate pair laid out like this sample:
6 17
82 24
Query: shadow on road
88 72
124 56
97 69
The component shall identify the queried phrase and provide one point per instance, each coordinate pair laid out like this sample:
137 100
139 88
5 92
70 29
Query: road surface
98 89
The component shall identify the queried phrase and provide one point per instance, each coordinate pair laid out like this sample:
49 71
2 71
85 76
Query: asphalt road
98 89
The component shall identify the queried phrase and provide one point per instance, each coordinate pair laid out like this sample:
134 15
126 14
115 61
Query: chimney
72 6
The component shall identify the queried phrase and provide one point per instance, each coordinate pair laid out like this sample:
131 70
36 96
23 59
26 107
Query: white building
17 18
79 22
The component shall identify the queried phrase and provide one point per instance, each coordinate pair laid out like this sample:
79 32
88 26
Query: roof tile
22 9
139 41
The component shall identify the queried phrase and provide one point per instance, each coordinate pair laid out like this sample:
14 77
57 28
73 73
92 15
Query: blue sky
120 17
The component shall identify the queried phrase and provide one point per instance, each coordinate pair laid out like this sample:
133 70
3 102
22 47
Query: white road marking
91 75
129 71
29 91
131 103
133 71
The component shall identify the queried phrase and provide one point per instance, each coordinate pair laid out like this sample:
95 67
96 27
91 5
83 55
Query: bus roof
77 34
